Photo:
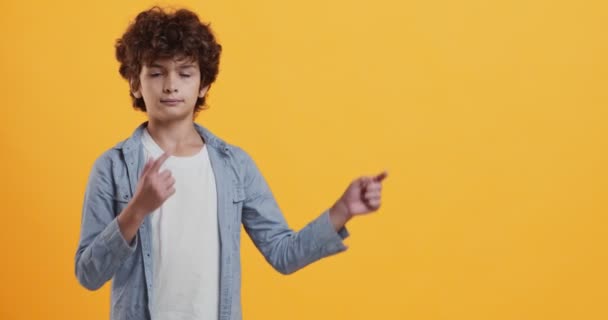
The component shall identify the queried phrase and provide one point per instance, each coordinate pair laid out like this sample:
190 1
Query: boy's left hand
362 196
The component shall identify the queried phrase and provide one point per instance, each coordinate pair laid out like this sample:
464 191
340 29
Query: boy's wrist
339 215
135 211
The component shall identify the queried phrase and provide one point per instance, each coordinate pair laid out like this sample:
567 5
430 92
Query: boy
167 229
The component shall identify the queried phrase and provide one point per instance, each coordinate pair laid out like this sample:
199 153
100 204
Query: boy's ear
135 91
203 91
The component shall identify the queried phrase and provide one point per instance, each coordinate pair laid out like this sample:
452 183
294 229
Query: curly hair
159 34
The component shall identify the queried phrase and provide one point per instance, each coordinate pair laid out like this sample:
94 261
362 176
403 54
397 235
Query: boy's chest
218 176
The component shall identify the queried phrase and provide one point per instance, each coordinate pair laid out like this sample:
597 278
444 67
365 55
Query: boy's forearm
129 221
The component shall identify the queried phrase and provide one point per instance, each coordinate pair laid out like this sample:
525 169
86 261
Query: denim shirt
243 196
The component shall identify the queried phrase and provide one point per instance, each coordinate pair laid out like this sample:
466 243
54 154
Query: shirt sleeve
285 249
101 248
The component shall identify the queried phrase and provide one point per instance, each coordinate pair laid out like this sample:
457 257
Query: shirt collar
133 143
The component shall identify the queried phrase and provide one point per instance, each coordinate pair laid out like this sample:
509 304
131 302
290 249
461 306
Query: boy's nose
169 85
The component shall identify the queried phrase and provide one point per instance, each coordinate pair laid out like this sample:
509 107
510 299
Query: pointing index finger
146 167
381 176
158 162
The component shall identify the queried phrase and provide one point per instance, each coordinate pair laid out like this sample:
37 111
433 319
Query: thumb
364 182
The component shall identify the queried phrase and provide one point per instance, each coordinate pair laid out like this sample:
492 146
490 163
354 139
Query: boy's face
170 88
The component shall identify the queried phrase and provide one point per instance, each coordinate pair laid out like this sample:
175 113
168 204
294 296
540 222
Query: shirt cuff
113 240
329 240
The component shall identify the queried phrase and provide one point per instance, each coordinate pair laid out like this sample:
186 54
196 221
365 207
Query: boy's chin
171 115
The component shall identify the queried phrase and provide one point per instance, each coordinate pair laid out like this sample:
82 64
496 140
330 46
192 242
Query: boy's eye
154 74
185 75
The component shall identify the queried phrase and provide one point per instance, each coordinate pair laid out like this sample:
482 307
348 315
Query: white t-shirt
185 240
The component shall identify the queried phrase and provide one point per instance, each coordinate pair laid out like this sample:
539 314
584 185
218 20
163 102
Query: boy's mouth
171 102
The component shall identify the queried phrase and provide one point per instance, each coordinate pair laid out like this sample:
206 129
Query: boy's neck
176 138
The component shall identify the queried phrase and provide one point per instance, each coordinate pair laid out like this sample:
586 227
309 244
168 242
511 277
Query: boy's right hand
153 188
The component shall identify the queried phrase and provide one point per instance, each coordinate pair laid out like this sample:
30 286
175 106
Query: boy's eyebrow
184 66
155 65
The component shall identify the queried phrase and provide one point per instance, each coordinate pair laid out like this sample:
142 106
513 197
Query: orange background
489 115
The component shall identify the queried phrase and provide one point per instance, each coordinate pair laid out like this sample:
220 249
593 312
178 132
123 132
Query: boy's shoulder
221 145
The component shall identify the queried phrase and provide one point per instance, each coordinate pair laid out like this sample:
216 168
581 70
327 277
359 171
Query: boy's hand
154 187
362 196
